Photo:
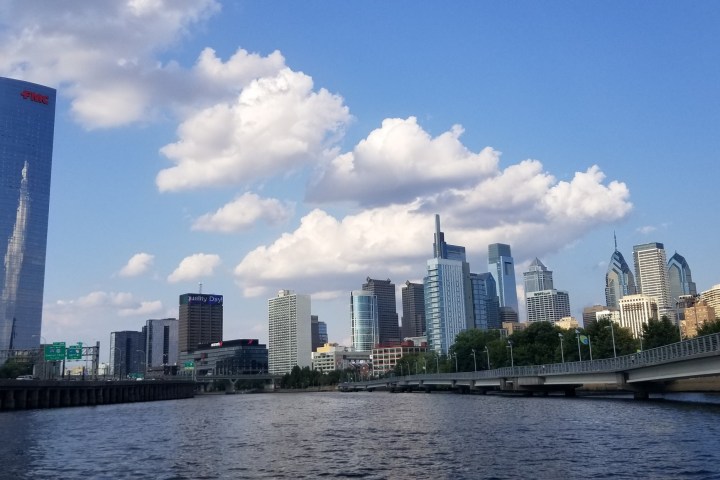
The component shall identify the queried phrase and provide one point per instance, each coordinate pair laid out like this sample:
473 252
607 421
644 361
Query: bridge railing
686 349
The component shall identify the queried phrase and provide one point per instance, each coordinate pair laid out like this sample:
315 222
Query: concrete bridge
231 380
687 366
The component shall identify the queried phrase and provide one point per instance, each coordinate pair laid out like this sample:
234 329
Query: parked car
25 377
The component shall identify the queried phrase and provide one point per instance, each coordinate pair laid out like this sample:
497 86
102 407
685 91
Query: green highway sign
189 365
74 352
55 352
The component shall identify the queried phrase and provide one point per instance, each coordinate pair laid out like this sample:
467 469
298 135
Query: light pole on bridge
487 351
612 332
512 359
577 335
474 360
562 352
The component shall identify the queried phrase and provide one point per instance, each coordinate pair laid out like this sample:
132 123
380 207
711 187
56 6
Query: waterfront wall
30 394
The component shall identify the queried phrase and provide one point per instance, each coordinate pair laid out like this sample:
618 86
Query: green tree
601 336
14 368
465 343
656 333
707 328
536 345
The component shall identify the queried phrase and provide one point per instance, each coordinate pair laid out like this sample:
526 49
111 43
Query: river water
365 435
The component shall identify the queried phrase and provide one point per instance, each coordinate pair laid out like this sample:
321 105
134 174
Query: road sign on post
189 365
74 352
55 352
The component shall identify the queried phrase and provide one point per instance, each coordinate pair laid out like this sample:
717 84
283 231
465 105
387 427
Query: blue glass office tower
502 267
27 122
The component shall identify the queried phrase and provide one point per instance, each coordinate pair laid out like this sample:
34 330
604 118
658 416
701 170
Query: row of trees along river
540 343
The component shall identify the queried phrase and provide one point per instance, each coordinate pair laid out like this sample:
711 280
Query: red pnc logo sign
35 97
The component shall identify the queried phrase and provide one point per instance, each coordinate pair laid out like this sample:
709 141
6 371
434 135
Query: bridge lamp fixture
562 352
487 352
612 332
474 360
512 359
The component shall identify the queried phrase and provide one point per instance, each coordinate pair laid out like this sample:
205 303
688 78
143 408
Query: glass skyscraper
679 278
448 294
27 122
502 267
619 280
364 320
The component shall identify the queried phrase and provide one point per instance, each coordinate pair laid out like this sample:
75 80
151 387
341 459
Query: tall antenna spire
200 287
615 237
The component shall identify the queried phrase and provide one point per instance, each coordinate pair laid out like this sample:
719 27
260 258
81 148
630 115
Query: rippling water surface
365 435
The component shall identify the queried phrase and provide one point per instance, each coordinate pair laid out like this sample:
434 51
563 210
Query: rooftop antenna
615 237
200 287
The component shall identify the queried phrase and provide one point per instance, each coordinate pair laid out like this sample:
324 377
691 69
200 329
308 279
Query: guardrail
693 348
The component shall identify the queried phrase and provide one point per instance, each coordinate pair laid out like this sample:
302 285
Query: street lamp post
612 332
487 351
512 359
474 360
577 335
677 318
562 353
437 362
42 343
590 345
143 361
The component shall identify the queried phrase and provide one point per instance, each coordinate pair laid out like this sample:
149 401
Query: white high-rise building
651 276
712 298
290 337
543 302
636 310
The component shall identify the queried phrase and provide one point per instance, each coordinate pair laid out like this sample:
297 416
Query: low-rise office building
386 356
331 357
230 357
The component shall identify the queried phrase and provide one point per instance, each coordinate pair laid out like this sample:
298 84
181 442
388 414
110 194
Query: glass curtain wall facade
413 303
680 280
384 290
502 267
27 122
619 280
486 307
445 307
364 320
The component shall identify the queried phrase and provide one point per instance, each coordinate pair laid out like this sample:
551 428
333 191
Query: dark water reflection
365 435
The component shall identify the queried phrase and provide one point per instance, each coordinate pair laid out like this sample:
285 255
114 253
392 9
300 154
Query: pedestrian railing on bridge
708 345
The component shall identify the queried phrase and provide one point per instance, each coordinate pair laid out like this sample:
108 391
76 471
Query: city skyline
227 144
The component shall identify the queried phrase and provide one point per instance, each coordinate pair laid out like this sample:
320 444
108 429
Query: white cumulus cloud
244 212
399 162
137 265
103 54
276 124
145 309
195 266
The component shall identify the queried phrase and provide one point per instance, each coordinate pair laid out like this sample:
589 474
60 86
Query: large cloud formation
103 54
399 162
522 205
276 124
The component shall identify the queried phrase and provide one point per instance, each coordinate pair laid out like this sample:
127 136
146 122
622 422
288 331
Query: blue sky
253 146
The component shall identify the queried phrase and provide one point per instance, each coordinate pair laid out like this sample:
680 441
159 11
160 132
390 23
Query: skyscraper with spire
543 302
619 280
448 293
679 278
